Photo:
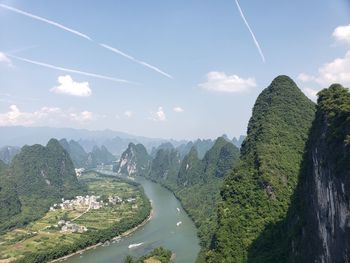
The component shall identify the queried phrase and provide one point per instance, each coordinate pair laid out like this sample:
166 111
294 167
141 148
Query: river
161 230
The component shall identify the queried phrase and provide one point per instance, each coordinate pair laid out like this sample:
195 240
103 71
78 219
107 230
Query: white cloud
83 116
69 87
44 116
220 82
178 109
311 93
5 59
336 71
159 115
128 114
342 34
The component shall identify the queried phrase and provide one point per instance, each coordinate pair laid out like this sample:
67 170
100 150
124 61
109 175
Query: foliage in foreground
161 254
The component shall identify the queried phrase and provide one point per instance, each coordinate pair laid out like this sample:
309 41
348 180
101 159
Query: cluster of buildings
79 171
80 202
88 202
114 200
85 202
67 226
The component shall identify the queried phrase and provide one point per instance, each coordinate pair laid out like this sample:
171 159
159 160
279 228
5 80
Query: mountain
10 204
196 182
39 176
202 146
257 193
200 192
315 228
134 161
238 142
75 151
191 170
165 166
99 155
116 142
323 204
7 153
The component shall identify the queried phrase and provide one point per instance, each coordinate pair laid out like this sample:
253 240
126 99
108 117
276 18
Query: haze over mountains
284 195
285 198
115 142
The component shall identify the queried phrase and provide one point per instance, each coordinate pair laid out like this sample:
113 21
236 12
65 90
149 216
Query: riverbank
125 234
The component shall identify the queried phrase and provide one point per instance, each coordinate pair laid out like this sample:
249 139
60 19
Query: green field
44 235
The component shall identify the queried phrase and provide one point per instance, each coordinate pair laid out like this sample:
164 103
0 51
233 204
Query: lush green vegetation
8 152
37 177
165 166
81 159
295 238
258 192
195 182
76 152
42 240
158 255
99 155
10 204
134 161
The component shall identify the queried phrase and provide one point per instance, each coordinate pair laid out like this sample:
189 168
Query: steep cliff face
258 191
134 161
324 192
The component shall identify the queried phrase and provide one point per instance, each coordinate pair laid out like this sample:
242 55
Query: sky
180 69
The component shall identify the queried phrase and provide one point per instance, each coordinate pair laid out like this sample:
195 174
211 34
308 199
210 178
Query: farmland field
45 234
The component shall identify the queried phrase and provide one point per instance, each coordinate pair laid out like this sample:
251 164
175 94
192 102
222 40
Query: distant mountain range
116 142
14 137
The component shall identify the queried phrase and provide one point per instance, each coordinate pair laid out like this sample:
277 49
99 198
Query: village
85 204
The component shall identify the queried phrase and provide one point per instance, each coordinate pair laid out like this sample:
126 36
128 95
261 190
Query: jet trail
251 31
117 51
42 64
53 23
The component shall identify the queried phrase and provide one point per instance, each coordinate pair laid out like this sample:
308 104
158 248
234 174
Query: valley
118 201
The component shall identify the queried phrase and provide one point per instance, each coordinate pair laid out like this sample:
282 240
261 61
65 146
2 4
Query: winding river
164 229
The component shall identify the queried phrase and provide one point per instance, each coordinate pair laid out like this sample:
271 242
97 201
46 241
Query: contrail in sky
53 23
46 21
251 31
135 60
42 64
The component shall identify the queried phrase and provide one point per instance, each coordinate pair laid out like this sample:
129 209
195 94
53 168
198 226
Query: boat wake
134 245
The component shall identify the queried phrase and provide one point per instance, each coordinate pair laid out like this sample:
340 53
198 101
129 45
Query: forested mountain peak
259 189
134 161
37 177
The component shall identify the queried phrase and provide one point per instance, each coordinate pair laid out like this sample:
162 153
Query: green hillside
257 193
38 177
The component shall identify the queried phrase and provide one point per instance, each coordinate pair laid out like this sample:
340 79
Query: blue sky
208 69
